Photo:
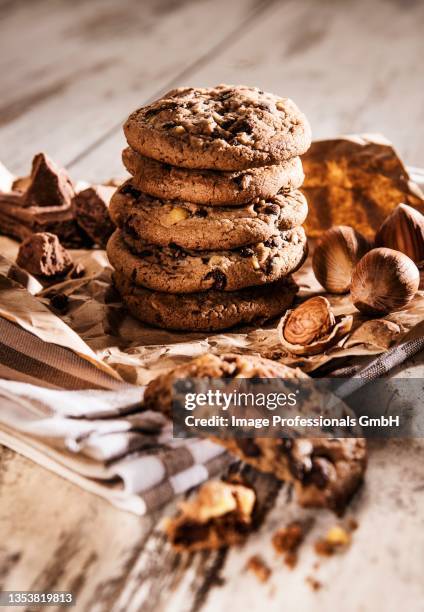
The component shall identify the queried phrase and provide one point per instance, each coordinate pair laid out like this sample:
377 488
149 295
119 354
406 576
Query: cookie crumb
258 566
315 584
288 540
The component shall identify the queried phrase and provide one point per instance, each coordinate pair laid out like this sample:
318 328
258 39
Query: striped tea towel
65 411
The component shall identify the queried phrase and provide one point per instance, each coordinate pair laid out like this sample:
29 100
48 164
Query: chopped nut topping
179 129
176 215
244 138
255 263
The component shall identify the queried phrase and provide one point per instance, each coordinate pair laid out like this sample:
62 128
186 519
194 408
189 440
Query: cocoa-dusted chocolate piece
49 185
43 255
91 209
40 203
326 472
219 515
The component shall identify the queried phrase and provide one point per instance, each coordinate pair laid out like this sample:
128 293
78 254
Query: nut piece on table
219 515
384 281
337 540
43 255
311 328
91 209
335 256
403 231
48 185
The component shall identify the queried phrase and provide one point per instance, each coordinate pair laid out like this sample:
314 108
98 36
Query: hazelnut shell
335 256
403 231
317 327
384 281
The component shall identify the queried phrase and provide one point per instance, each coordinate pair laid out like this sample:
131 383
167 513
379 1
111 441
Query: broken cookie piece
42 255
326 472
91 209
220 515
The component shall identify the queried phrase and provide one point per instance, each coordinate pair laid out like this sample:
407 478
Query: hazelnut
179 129
280 105
335 256
383 281
403 230
312 327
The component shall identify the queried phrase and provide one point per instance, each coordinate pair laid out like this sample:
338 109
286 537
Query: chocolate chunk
43 255
49 185
60 302
201 212
168 125
91 208
271 209
320 473
242 125
269 266
227 123
129 228
246 252
176 251
128 189
248 447
220 280
271 242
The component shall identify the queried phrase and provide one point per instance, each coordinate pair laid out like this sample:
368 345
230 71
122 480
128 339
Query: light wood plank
350 66
86 71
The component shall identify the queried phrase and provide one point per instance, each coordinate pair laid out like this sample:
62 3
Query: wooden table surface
70 72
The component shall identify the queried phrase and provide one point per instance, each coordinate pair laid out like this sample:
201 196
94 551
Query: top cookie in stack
210 222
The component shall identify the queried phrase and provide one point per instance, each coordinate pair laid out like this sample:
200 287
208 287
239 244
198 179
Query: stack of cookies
210 224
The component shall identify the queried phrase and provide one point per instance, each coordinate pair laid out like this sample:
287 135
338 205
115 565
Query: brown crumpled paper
93 309
355 180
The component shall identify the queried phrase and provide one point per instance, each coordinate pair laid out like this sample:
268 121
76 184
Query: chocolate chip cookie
207 311
177 270
326 472
220 128
192 226
211 187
